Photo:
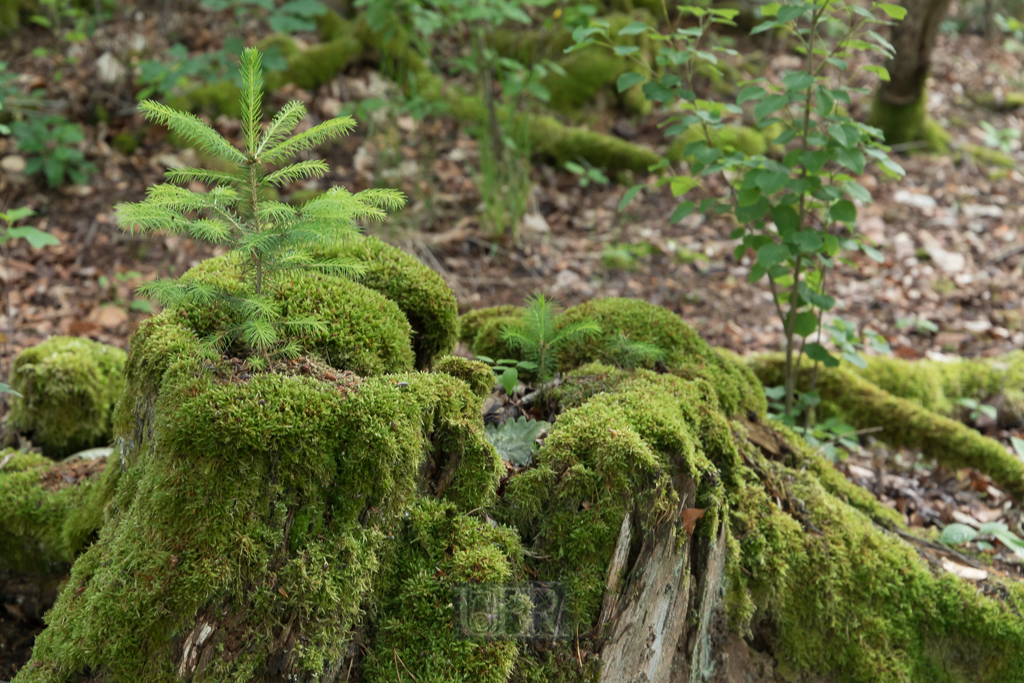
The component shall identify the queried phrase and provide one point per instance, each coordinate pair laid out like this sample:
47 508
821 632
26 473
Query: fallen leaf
109 317
690 517
963 571
283 592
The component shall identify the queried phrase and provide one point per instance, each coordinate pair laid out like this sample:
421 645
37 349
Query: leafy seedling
978 409
515 440
959 534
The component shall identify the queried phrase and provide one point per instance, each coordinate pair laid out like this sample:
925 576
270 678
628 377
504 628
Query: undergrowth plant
268 238
37 239
506 87
538 339
795 212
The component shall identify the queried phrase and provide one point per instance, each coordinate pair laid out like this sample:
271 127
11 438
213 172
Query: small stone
13 163
109 69
978 326
981 211
873 227
946 261
535 223
918 201
330 107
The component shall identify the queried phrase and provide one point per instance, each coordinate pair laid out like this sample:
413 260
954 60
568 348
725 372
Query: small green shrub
51 144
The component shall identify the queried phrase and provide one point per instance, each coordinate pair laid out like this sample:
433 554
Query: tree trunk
899 105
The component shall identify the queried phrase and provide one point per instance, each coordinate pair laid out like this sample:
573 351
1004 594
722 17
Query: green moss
992 157
617 452
438 550
479 376
472 322
899 123
1007 102
938 385
68 387
272 499
729 138
419 291
937 137
367 333
903 422
488 342
687 354
317 65
820 570
46 520
125 142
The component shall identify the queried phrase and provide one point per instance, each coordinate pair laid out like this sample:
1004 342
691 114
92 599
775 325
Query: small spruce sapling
537 338
268 238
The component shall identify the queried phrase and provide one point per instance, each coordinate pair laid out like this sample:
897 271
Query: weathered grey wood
649 614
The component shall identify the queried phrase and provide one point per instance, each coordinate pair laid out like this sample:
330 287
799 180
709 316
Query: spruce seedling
268 238
537 338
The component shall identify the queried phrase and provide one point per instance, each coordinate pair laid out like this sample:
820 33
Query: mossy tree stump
310 523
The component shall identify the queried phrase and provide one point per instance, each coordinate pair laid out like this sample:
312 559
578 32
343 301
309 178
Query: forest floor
952 232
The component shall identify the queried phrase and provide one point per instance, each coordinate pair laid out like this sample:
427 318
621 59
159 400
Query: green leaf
957 534
681 212
844 211
857 191
819 353
750 93
509 380
623 50
772 254
805 323
771 182
798 80
852 159
628 196
769 105
894 11
6 389
682 184
872 253
635 28
882 72
790 12
35 237
809 241
628 79
787 220
838 134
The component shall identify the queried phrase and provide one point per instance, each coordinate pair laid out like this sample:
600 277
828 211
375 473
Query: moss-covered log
68 389
902 422
940 385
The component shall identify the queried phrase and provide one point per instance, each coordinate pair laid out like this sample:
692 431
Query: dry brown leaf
690 517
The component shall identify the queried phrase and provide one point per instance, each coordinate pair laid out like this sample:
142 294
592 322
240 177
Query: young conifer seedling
538 340
267 238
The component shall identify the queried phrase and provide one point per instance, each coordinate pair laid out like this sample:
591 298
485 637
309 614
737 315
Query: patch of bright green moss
841 598
68 388
729 138
46 520
439 549
419 291
272 499
472 322
479 376
367 333
904 423
686 353
938 385
616 453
